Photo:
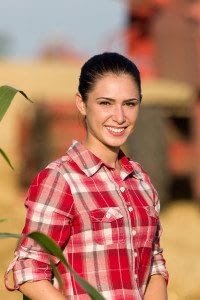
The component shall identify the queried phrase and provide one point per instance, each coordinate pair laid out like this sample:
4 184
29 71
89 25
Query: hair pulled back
99 65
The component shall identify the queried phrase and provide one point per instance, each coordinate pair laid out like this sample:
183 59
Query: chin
115 144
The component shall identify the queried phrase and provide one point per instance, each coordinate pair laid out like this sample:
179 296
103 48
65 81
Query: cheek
98 114
133 116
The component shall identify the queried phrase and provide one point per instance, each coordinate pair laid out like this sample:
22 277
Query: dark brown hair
105 63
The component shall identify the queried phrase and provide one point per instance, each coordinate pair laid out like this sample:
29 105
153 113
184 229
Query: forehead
115 84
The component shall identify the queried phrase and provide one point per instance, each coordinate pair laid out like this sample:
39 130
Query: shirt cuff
160 270
27 270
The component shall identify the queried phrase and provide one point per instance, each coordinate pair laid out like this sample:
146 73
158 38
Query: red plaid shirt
105 221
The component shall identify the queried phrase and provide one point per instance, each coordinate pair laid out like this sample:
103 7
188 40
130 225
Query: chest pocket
107 225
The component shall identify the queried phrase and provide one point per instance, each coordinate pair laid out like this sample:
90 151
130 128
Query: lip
116 131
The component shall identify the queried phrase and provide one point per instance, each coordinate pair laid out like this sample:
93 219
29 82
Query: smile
116 130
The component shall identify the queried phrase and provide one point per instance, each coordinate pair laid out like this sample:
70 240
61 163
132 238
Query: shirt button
135 276
65 158
133 232
122 189
135 253
130 208
108 215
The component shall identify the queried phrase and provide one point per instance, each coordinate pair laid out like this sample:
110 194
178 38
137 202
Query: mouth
116 130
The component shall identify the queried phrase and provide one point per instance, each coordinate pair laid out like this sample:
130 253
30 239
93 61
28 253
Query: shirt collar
90 164
85 159
129 167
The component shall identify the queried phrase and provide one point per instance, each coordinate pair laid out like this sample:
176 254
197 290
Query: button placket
127 205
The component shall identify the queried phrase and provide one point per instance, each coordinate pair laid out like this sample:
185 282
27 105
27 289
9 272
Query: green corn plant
7 93
53 249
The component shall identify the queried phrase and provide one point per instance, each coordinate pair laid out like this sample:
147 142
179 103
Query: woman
98 205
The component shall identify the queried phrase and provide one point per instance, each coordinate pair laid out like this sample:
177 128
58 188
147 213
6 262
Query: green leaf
2 220
7 93
4 235
25 298
6 158
51 247
56 274
48 244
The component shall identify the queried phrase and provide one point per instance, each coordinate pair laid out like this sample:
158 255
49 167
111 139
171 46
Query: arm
48 210
158 278
156 288
41 290
157 283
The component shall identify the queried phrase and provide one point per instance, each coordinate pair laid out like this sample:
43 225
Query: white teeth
117 130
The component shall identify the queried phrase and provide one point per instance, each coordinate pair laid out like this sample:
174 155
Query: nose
118 115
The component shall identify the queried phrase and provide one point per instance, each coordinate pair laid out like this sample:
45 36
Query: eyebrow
113 100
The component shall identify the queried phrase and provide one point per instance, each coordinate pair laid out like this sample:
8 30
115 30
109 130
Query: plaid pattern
106 222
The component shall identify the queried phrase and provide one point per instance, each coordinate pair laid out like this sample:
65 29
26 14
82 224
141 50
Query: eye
132 103
106 103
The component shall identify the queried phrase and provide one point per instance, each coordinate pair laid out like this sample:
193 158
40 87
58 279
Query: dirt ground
180 240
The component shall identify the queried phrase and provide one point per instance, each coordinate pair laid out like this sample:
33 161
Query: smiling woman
97 204
111 110
109 97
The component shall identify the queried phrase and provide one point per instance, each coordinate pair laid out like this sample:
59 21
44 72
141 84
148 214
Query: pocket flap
107 214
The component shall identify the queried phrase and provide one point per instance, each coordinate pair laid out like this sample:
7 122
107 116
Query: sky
86 25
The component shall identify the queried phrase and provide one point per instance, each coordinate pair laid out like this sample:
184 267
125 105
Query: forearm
156 288
42 289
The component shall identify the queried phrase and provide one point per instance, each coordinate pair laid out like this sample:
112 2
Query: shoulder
56 175
143 175
139 169
64 165
50 191
60 165
52 176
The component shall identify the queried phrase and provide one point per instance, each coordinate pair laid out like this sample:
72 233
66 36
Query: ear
80 104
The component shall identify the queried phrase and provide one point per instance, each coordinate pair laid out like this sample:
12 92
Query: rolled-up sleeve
158 265
158 262
49 205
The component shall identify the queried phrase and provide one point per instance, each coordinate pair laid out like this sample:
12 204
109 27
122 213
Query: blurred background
42 47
